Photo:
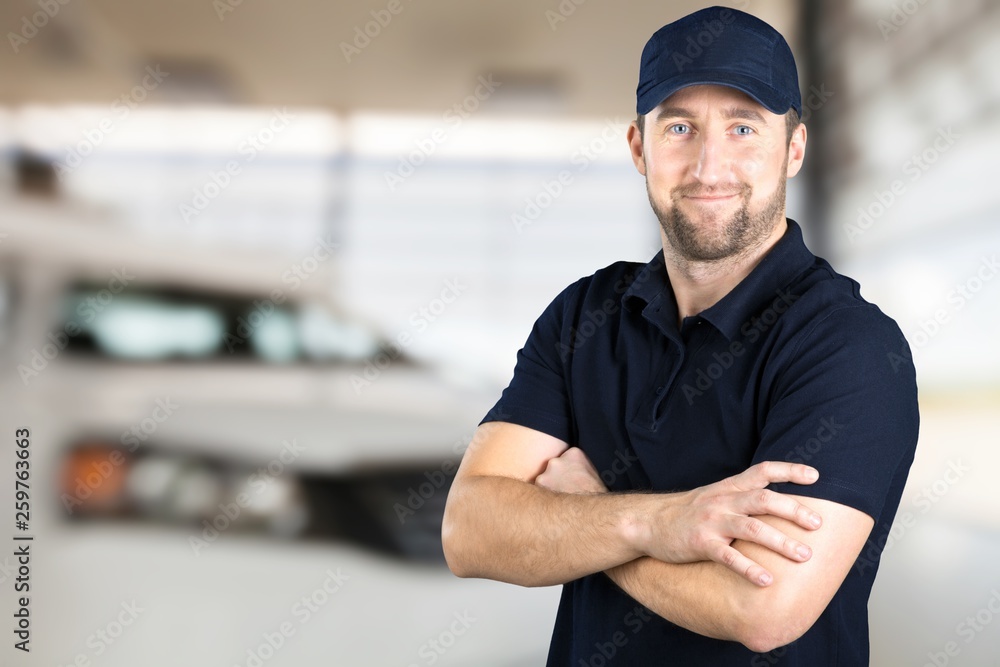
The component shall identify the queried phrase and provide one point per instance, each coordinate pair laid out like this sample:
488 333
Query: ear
796 150
634 138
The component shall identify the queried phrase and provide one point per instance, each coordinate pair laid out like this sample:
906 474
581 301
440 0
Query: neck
700 285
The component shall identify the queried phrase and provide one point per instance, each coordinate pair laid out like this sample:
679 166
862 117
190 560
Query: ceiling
550 57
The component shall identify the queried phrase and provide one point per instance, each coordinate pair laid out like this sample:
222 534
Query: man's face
715 163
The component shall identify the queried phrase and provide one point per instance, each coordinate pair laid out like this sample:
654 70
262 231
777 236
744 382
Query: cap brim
759 91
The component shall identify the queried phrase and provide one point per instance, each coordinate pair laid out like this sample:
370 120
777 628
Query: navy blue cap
721 46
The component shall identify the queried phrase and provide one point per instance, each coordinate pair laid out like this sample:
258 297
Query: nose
711 164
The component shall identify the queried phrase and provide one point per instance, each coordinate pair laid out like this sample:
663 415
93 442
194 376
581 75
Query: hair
792 121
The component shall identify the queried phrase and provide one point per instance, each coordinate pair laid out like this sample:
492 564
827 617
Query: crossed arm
728 560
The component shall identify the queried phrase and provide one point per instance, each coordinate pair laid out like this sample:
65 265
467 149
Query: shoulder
828 319
608 283
824 302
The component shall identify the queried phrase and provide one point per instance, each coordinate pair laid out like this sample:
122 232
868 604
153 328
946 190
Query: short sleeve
537 396
845 402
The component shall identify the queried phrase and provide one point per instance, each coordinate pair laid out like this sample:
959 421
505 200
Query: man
696 389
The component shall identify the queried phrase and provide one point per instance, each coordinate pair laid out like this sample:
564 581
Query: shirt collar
788 258
651 293
764 285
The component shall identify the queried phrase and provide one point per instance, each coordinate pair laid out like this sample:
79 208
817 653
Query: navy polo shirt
791 365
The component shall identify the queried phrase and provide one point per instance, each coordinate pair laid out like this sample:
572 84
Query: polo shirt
791 365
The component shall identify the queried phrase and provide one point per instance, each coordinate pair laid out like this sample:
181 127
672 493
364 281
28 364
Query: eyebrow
728 113
673 112
742 112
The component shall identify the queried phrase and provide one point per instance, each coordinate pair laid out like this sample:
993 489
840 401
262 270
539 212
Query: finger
741 565
769 472
764 501
752 529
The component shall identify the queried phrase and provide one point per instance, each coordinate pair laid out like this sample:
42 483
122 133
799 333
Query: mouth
709 199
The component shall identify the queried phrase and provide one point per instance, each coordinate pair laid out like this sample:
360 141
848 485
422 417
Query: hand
571 472
702 524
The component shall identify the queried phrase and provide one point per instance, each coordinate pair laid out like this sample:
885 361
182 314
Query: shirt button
659 390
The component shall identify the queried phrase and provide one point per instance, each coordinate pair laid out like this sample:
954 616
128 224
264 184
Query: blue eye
679 128
744 129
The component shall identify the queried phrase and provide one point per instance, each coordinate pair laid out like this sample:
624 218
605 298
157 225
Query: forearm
708 598
514 531
704 597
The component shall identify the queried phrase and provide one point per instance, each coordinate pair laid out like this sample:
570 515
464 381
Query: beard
713 239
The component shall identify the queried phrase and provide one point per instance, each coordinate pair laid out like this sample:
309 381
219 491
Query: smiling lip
712 197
